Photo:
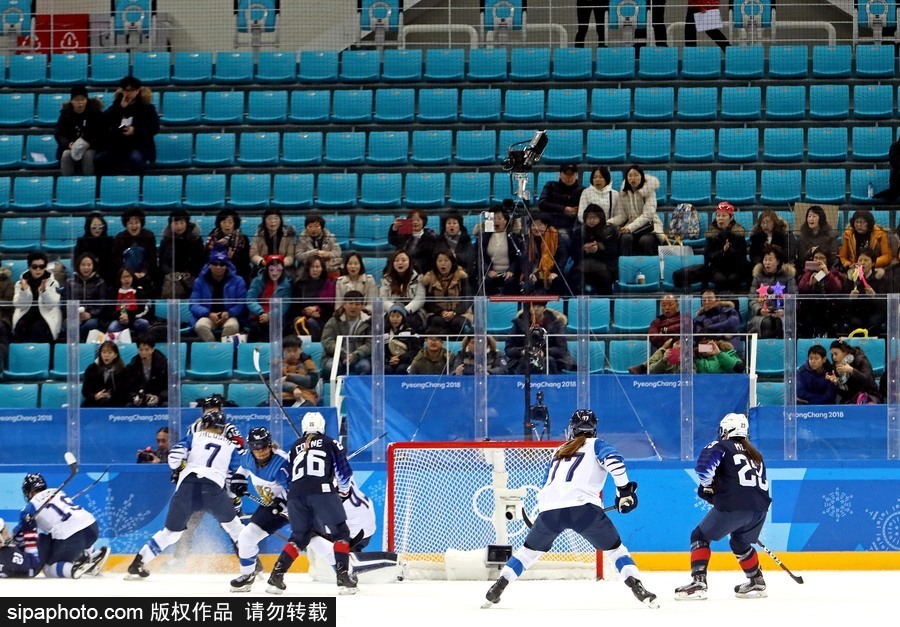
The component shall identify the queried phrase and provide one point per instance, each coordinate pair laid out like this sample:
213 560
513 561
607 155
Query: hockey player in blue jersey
320 478
270 472
68 531
733 479
570 499
19 556
209 458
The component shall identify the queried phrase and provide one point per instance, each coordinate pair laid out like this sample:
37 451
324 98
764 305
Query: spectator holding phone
818 314
411 235
716 357
867 305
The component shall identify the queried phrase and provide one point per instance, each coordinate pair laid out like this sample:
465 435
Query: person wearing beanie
400 341
218 298
131 124
725 252
79 131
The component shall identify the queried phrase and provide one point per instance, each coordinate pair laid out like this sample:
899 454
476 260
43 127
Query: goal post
447 502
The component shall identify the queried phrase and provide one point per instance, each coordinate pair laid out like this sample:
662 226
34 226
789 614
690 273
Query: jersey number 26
309 464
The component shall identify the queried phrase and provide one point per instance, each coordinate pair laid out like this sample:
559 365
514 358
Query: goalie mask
583 422
33 483
733 426
313 422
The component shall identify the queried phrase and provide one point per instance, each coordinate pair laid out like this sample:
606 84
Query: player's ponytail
750 450
309 439
571 447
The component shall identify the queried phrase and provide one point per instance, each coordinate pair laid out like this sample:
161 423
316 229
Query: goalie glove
626 497
278 507
238 485
706 493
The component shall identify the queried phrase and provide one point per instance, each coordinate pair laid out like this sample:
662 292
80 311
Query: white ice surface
828 598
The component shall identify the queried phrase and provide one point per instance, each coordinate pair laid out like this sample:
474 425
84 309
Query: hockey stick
256 352
246 518
365 446
73 470
96 481
775 559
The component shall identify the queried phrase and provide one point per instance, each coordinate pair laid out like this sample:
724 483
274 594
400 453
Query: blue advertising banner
114 436
639 414
817 506
825 431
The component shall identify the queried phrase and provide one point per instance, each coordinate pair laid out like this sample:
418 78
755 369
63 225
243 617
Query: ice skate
81 565
694 591
243 583
641 593
275 585
494 592
136 569
346 582
753 588
96 563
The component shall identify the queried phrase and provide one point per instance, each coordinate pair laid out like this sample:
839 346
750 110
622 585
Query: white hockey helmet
734 426
313 422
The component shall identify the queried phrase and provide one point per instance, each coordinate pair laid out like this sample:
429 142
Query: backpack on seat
684 224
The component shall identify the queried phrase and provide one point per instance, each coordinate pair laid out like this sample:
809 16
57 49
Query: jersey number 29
749 474
309 464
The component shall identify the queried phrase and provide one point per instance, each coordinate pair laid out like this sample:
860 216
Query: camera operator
161 454
547 333
147 376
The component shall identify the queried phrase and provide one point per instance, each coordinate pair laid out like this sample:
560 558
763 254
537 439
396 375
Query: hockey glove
238 485
626 497
176 472
706 493
278 507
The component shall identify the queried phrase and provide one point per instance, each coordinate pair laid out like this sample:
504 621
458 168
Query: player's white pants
248 546
159 542
623 561
521 561
58 570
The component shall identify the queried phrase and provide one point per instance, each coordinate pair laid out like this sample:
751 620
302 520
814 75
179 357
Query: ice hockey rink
829 598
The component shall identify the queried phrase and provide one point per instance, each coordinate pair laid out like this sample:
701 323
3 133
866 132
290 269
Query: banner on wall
60 33
638 414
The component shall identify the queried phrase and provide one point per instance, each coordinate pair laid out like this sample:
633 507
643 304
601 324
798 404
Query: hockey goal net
447 501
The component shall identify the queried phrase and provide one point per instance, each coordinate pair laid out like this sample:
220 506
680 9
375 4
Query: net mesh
444 499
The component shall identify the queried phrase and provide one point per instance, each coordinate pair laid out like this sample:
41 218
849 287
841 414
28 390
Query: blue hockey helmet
583 422
33 482
259 438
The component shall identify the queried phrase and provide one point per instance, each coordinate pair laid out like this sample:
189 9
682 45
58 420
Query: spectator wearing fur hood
131 124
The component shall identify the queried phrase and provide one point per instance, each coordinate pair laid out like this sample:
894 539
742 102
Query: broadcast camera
523 160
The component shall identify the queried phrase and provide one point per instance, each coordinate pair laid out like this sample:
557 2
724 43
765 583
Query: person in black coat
131 124
181 255
135 246
81 118
559 202
595 249
104 383
97 241
455 238
147 377
411 235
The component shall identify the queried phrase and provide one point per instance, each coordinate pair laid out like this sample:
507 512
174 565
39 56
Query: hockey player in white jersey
570 499
68 531
269 470
210 457
370 567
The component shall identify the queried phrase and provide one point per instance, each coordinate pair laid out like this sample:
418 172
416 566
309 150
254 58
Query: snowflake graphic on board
125 525
888 525
838 504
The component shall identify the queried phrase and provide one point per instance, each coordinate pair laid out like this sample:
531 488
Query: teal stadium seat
827 185
425 189
610 105
258 149
119 192
701 62
630 267
211 360
302 149
360 66
223 107
438 105
395 106
738 145
831 61
192 68
108 68
318 66
487 64
74 193
770 358
234 67
381 190
337 190
572 64
785 102
195 392
626 353
741 103
633 315
310 107
388 148
204 191
249 191
28 361
698 103
212 149
245 368
32 193
248 394
27 70
163 192
476 147
770 393
445 64
401 65
615 63
529 64
16 109
691 186
54 395
153 68
174 149
352 106
567 105
19 395
829 102
292 191
345 149
276 66
788 62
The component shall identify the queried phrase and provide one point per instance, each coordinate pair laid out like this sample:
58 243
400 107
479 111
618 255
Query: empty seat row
440 105
487 147
414 189
453 64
